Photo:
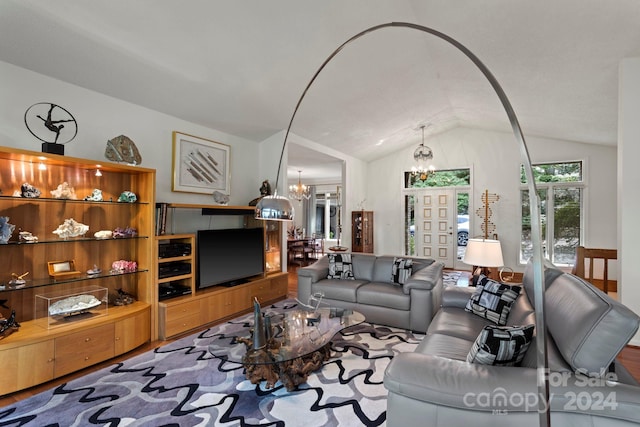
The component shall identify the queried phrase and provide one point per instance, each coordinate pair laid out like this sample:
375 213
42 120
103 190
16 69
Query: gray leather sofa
374 294
436 386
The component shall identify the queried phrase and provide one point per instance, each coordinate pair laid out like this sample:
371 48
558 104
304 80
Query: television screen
229 256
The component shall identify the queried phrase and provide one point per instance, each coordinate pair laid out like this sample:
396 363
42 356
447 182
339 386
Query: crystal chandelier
422 155
299 191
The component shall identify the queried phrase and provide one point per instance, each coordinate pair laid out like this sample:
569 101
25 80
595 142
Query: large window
561 191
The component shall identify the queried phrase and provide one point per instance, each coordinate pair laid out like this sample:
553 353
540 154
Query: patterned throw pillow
493 300
501 345
340 267
401 270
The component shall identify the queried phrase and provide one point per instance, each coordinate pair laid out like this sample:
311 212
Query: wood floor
630 358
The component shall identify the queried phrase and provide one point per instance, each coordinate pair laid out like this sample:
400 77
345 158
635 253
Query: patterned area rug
182 384
450 278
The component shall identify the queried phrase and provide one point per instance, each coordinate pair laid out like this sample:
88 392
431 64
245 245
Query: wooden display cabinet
111 334
362 231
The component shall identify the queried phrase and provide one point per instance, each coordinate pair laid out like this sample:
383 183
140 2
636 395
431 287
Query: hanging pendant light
299 191
422 155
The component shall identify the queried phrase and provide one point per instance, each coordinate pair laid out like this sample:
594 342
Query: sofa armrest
316 271
426 278
456 296
309 275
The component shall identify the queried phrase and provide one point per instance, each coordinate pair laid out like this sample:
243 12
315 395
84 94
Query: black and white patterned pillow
501 345
401 270
340 267
493 300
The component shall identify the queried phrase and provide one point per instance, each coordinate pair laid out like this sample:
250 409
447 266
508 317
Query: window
561 191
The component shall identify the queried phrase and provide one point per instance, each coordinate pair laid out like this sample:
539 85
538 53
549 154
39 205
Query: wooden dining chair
593 256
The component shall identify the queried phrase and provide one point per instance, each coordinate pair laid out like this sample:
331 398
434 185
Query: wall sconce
98 171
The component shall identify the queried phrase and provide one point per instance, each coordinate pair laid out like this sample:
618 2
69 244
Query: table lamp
482 254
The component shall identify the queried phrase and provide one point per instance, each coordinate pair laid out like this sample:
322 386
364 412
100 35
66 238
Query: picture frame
62 269
200 165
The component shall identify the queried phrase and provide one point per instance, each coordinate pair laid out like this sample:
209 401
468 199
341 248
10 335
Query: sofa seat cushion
456 322
445 346
336 289
384 295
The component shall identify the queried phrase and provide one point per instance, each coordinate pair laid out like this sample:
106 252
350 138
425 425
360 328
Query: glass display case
60 307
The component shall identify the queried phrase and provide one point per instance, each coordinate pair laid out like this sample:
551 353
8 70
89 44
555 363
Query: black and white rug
182 384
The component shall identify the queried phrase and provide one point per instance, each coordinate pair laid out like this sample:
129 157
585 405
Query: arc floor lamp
279 208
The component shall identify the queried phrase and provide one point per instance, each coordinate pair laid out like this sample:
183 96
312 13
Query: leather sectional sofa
371 290
437 386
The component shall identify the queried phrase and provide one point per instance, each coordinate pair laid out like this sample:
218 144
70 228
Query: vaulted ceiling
241 66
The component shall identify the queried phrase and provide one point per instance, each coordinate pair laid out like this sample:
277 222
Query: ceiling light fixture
299 191
422 155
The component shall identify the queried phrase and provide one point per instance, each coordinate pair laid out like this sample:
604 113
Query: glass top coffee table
297 343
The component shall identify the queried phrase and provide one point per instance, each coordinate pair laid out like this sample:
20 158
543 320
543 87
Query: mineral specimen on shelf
95 196
103 234
71 228
27 237
29 191
123 298
18 280
73 304
93 271
6 230
128 197
125 232
64 191
8 326
220 198
123 266
122 149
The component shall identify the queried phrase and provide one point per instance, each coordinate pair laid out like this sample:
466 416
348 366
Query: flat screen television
229 257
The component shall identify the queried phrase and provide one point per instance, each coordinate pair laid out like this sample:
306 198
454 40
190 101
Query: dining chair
592 257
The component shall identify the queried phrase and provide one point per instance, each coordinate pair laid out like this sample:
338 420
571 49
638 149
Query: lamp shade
274 208
483 253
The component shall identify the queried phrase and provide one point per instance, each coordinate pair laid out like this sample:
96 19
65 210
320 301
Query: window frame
548 188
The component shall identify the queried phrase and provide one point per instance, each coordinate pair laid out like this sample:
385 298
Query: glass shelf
48 281
52 199
72 240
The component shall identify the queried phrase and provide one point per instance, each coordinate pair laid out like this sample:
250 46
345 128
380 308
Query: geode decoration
64 191
220 198
71 228
29 191
124 232
128 197
6 230
122 149
95 196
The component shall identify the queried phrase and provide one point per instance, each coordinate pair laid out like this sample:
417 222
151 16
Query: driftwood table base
260 367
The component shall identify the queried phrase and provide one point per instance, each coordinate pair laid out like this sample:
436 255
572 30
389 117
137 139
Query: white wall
628 179
101 118
495 161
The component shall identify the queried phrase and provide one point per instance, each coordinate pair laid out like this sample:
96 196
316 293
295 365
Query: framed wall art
200 165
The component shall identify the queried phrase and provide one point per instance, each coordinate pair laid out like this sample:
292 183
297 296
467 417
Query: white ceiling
241 66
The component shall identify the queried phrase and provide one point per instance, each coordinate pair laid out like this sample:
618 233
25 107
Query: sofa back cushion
363 266
550 274
588 326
